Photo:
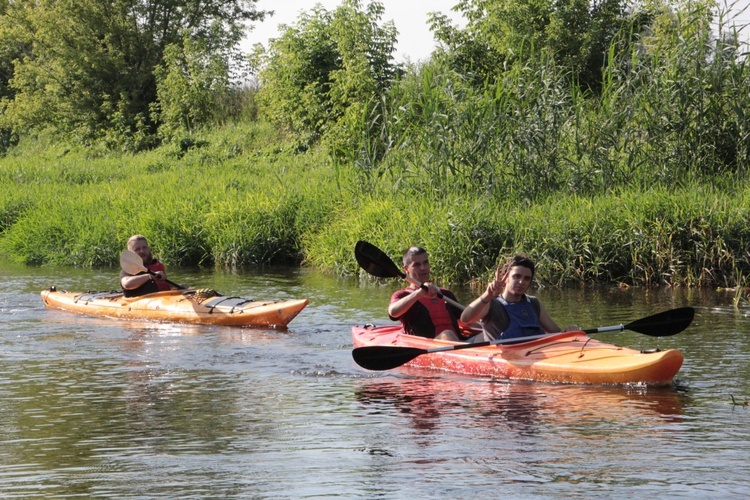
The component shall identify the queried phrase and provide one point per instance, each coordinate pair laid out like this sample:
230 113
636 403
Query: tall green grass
228 204
671 107
694 236
224 202
644 183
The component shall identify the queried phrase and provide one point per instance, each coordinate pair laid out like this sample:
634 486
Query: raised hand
496 287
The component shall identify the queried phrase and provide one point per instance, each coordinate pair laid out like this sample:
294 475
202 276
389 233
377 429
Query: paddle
376 262
131 263
381 358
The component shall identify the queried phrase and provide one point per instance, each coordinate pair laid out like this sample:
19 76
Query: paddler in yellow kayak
144 282
504 309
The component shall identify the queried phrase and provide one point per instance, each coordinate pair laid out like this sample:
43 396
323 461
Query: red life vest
439 314
427 317
158 266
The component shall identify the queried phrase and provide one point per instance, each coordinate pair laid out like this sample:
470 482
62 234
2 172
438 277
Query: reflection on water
518 406
92 407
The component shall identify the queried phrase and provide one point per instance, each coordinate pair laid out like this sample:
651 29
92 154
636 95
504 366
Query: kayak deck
182 306
568 357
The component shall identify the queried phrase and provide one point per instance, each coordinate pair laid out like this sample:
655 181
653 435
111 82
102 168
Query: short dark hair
411 252
519 260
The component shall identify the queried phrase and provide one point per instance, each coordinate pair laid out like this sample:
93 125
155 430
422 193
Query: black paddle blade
375 261
384 357
664 324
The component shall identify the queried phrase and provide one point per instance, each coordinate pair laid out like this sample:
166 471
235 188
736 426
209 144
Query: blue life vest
523 320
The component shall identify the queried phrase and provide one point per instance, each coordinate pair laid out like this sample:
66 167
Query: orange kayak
568 357
180 306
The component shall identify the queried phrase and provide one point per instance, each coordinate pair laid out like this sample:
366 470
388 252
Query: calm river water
122 409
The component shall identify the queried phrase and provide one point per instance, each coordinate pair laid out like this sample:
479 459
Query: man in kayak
421 311
505 311
143 283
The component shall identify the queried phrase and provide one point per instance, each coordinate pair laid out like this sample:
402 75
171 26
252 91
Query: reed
671 107
217 205
694 236
229 201
643 183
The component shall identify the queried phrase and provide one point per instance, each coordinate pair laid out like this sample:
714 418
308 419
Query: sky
415 40
740 11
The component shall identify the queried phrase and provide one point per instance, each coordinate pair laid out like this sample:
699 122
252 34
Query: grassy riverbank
241 196
623 162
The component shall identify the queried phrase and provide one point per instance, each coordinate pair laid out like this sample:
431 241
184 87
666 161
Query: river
100 408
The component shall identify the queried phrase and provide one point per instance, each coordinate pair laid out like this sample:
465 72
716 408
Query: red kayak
568 357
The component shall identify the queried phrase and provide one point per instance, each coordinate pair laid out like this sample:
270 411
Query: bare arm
546 321
481 306
398 308
477 310
131 282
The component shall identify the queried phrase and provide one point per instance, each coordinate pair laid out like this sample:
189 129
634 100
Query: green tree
88 65
190 83
499 33
318 75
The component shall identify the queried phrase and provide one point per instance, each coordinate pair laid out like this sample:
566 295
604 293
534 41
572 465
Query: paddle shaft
484 344
590 331
614 328
426 288
176 285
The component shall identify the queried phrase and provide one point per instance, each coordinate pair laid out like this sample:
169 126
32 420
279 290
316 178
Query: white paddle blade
131 262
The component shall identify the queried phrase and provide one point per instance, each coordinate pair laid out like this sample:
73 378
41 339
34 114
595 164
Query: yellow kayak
180 306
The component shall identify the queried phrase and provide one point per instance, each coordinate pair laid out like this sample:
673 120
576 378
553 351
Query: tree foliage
86 67
669 105
498 33
190 83
318 75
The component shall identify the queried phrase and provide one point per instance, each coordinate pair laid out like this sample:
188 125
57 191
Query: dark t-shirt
148 287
